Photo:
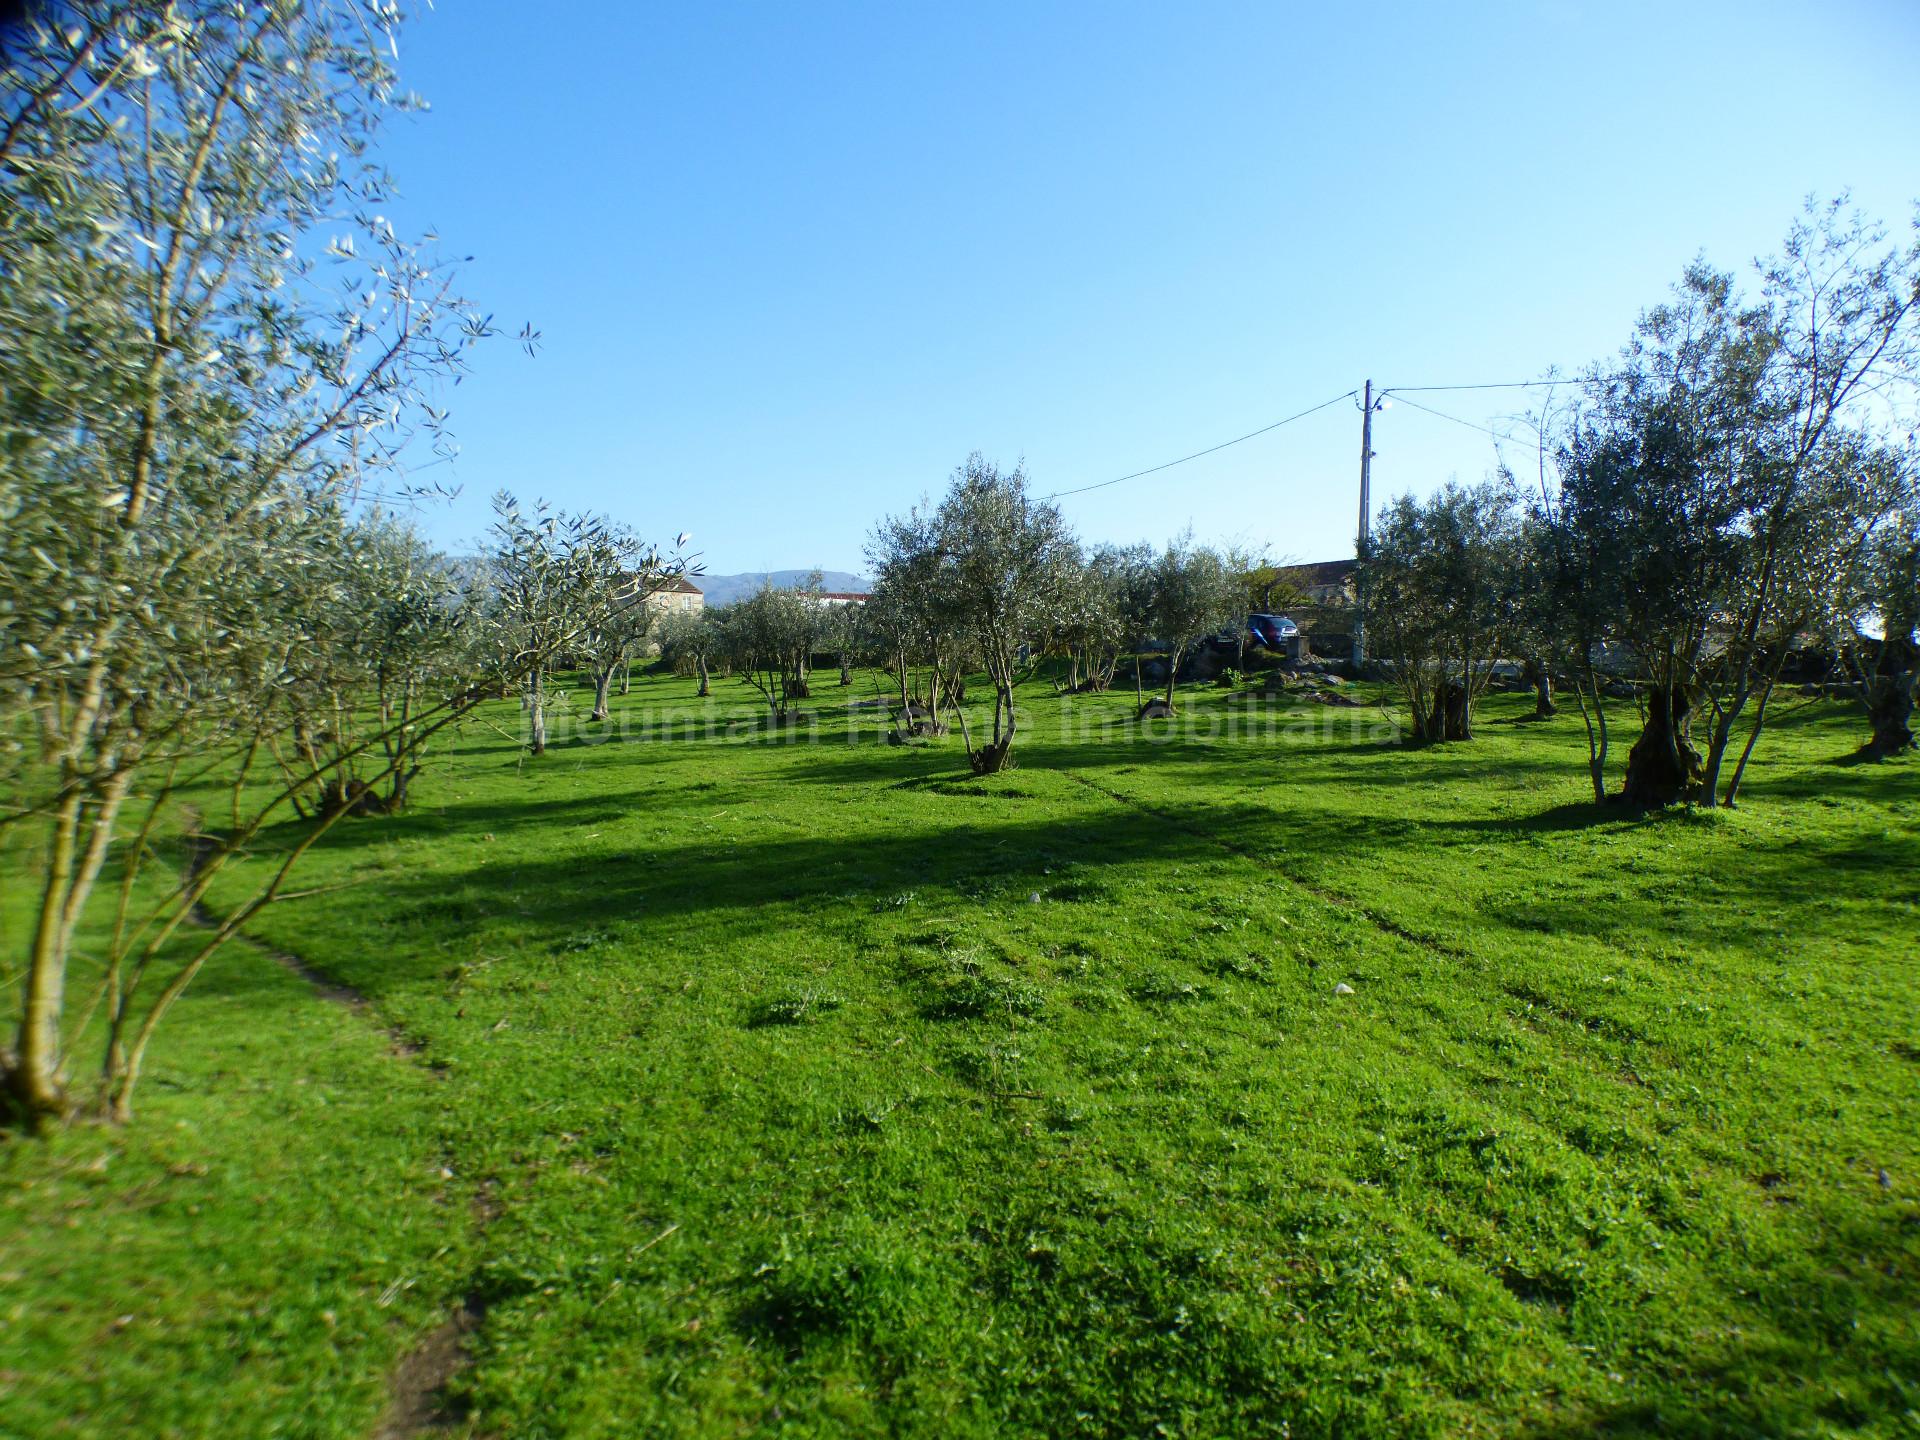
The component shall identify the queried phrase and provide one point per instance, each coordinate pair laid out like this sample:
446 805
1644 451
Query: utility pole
1365 530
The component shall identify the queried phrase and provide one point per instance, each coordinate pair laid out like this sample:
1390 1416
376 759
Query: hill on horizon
725 589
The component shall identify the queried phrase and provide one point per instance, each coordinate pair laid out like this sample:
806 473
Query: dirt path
418 1403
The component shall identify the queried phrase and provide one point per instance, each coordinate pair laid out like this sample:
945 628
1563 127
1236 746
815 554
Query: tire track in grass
1619 1068
1494 1274
1386 924
1547 1313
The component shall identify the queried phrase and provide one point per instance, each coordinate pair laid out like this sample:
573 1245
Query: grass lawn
762 1087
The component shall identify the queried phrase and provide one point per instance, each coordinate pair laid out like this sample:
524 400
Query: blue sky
792 262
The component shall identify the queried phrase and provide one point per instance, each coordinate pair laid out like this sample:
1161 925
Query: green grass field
757 1087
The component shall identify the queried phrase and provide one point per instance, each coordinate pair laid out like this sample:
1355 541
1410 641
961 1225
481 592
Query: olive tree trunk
1890 712
1593 712
992 758
1446 714
1541 674
537 711
1663 767
1888 690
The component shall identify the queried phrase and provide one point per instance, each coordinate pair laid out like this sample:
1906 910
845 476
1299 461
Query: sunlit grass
810 1086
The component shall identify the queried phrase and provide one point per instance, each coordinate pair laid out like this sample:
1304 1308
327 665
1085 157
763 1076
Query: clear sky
793 261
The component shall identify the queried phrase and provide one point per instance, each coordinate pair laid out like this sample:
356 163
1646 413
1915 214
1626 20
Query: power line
1572 380
1495 385
1395 390
1211 449
1441 414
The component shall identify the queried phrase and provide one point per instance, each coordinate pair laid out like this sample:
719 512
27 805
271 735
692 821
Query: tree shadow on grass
663 883
1778 892
460 819
1866 755
957 833
1573 815
1044 746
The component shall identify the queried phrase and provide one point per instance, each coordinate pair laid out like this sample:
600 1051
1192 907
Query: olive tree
618 618
556 579
216 343
911 617
1097 622
1879 633
766 638
844 633
1534 632
984 576
1841 306
568 587
403 630
1441 582
1574 598
1195 590
689 641
1134 583
1738 456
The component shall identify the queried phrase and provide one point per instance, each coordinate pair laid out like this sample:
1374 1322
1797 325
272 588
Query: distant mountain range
725 589
719 589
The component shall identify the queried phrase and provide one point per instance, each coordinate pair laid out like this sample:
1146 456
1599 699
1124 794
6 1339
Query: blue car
1272 632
